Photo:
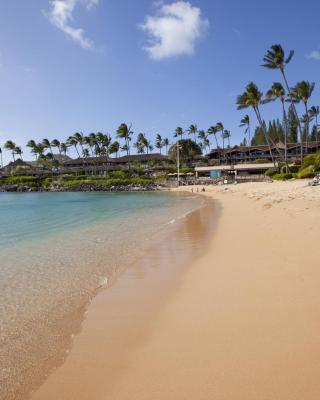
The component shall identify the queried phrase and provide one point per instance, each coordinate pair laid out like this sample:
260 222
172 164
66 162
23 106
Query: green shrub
308 172
261 161
24 179
118 174
294 169
311 160
271 172
282 176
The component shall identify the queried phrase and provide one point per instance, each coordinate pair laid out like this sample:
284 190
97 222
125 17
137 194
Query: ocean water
56 251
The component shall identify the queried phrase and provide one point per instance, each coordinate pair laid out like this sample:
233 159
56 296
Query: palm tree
159 142
277 91
166 144
213 131
72 141
314 112
33 146
114 148
1 160
220 128
178 132
245 123
193 130
80 139
64 148
18 151
276 59
140 143
47 145
124 132
56 143
205 143
10 145
302 92
252 97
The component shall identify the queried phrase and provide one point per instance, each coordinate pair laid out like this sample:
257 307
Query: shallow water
57 250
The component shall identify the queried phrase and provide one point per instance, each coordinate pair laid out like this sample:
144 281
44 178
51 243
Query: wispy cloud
61 15
314 55
174 30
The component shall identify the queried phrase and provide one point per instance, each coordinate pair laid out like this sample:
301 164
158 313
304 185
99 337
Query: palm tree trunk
307 125
256 110
285 135
295 111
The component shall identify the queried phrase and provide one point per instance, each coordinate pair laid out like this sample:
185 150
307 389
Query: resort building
247 154
236 172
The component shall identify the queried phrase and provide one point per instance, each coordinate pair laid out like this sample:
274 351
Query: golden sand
241 323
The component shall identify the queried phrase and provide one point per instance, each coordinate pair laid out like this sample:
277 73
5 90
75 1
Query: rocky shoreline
20 188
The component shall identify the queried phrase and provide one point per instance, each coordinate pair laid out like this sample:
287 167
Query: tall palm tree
80 139
245 123
63 148
56 143
1 160
314 112
18 151
124 132
302 91
193 130
213 131
10 145
252 97
166 144
205 143
47 145
178 132
114 148
33 146
277 92
275 58
159 142
140 143
72 141
220 128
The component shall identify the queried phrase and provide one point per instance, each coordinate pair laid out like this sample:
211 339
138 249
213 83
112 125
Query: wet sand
241 322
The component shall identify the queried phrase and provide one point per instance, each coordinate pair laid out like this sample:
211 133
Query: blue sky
89 65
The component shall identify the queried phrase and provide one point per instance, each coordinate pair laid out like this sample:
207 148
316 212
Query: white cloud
175 30
61 15
314 55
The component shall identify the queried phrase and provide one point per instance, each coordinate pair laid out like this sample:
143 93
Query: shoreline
120 316
240 322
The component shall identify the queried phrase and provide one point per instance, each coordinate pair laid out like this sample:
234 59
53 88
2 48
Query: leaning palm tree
159 142
125 132
47 145
56 143
80 139
72 141
178 132
252 97
18 151
205 143
166 144
64 148
10 145
277 92
213 131
314 112
245 123
220 128
302 91
114 148
276 59
193 130
33 146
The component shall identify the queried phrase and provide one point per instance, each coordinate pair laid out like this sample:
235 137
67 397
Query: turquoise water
57 250
32 216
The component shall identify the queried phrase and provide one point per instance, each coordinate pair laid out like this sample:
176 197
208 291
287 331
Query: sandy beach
240 322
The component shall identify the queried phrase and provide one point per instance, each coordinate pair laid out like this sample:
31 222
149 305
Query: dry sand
242 323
